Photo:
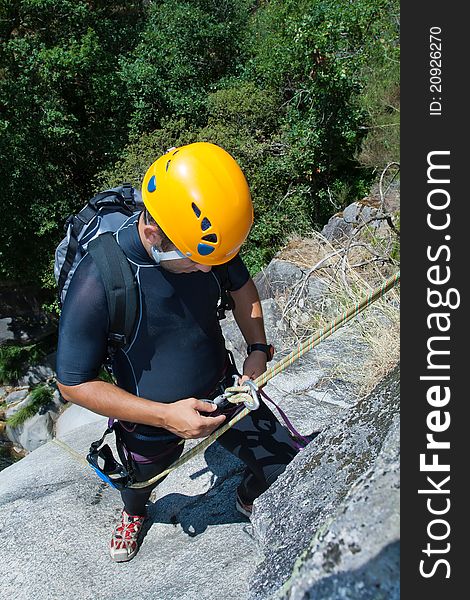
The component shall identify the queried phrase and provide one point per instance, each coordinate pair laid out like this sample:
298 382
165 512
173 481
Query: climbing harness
247 394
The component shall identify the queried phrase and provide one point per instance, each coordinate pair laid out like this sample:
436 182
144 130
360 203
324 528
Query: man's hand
184 419
254 365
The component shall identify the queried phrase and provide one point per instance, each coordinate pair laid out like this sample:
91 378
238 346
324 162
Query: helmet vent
152 184
205 224
167 165
205 249
196 210
210 237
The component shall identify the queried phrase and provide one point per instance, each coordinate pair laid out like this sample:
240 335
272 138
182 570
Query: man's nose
203 268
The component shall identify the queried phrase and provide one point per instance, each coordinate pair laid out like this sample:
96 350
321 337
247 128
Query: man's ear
151 234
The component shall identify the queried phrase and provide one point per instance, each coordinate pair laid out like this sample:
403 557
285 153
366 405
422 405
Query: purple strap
143 460
303 441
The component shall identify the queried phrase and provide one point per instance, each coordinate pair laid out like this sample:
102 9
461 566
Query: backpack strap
77 222
226 301
120 286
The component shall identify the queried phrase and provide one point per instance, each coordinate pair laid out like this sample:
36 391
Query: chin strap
158 255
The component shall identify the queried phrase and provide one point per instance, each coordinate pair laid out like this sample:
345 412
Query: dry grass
348 271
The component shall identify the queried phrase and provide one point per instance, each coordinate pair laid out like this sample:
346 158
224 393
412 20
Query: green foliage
14 360
105 375
317 55
64 114
142 152
40 396
305 95
380 100
185 48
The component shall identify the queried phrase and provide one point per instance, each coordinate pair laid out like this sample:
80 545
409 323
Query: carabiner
253 404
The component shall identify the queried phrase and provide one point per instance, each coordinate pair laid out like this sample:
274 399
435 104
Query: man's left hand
254 366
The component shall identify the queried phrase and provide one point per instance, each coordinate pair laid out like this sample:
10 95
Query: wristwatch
268 348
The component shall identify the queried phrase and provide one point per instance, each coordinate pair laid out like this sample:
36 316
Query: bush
40 396
64 114
15 359
186 48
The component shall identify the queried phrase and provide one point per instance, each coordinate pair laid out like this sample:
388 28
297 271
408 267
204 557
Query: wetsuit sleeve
238 274
83 327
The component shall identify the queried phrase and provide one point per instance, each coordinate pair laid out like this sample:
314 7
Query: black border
422 133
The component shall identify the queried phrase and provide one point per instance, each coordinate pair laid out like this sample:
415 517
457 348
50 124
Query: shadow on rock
215 506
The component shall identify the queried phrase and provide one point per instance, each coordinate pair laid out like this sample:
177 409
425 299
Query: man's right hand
184 418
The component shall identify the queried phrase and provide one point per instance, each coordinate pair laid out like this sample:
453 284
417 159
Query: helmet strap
159 255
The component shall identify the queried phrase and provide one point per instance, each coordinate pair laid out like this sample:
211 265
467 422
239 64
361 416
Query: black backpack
91 231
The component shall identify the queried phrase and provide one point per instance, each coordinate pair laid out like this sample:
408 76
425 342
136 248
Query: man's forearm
185 418
111 401
248 313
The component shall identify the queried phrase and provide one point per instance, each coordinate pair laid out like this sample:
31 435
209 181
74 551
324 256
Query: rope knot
247 393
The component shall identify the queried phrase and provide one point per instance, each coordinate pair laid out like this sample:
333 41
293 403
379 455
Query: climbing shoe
245 508
125 541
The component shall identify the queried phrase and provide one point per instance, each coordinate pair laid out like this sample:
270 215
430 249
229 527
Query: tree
64 114
185 49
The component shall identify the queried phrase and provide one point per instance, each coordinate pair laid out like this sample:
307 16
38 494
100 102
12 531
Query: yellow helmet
199 196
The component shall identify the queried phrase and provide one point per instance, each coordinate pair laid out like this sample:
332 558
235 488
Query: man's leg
148 458
264 445
135 500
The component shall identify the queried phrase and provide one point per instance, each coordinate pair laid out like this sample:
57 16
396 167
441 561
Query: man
183 249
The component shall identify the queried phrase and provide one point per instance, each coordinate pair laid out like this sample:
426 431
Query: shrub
14 360
40 396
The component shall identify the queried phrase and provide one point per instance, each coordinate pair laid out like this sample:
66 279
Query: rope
304 347
71 451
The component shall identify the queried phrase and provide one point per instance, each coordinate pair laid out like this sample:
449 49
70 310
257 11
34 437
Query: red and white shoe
125 541
243 507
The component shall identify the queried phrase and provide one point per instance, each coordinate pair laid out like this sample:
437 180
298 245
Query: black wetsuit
177 351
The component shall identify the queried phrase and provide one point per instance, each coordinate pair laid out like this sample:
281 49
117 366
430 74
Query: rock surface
333 515
75 416
58 518
327 529
329 526
34 432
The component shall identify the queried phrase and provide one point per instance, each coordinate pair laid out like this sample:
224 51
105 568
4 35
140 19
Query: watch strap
267 348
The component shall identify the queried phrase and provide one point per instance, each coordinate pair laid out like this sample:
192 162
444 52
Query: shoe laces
129 527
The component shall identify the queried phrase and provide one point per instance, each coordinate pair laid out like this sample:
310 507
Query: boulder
17 395
37 374
34 432
22 319
280 335
277 278
4 391
358 556
337 229
76 416
344 224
